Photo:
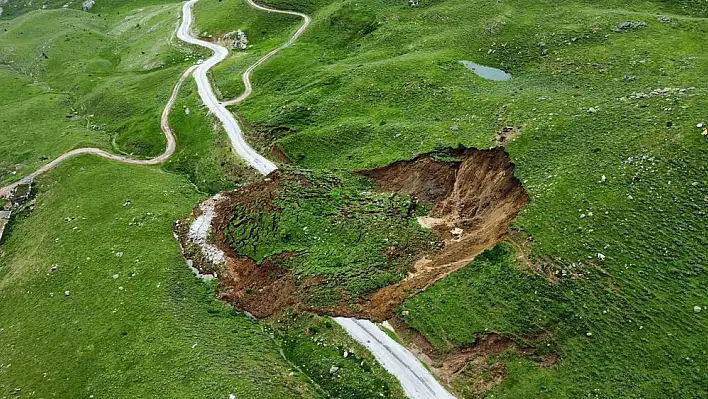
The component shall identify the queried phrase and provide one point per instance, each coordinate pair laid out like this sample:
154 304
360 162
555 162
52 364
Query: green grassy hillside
76 79
135 322
376 81
96 296
607 146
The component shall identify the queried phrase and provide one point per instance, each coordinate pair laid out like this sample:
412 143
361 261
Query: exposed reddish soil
474 201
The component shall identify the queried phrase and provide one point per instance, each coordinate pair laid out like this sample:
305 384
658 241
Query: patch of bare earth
472 365
475 198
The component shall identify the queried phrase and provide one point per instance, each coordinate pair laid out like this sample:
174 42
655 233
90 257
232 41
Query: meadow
607 147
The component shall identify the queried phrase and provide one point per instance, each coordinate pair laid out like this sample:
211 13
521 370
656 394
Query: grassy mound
336 228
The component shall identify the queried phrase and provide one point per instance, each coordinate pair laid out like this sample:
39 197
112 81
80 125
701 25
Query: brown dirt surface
474 195
476 199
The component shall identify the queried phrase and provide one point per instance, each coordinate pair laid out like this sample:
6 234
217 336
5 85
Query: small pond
485 71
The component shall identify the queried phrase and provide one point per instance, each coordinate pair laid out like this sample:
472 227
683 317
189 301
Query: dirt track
164 125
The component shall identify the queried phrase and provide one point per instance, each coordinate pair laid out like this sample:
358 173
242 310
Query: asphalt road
206 92
416 380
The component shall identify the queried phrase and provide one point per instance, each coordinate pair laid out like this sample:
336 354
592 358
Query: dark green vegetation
375 81
324 352
134 312
337 228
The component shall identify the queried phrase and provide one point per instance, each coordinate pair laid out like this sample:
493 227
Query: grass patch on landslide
374 82
134 312
333 360
337 227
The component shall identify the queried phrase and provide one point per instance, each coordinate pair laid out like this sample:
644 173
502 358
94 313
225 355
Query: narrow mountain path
247 75
164 125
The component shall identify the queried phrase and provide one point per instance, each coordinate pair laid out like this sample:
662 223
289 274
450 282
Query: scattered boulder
697 309
629 25
88 5
413 3
333 369
663 19
238 39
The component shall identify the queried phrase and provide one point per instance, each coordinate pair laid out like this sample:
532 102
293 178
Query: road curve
206 92
416 380
164 125
246 77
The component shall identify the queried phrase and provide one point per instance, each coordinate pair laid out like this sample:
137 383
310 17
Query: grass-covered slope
591 96
376 81
135 322
73 79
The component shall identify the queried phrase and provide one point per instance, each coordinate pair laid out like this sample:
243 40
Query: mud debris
474 197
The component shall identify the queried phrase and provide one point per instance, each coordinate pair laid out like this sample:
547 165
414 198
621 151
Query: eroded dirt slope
476 199
474 196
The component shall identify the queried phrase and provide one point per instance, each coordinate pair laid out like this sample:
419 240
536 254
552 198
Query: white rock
699 125
600 256
697 309
67 293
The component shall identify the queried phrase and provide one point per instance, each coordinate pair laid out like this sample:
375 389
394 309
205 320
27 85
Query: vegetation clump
334 227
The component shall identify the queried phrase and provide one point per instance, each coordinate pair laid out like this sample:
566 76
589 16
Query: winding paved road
415 379
206 92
